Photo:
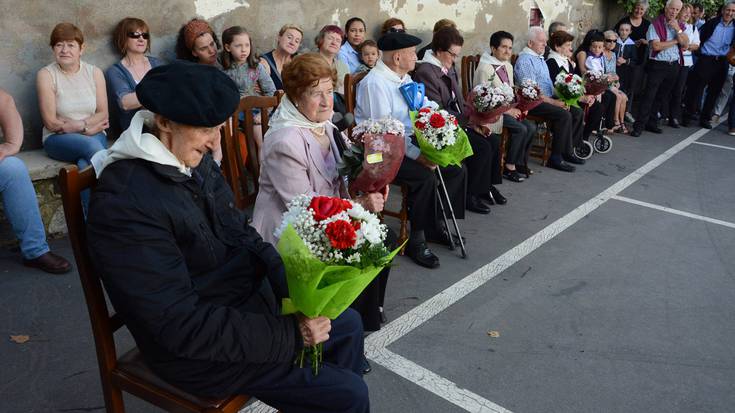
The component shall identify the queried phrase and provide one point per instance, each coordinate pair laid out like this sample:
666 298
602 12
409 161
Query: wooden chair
469 65
127 373
351 82
241 160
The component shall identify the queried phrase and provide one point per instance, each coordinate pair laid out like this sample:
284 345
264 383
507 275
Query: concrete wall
27 24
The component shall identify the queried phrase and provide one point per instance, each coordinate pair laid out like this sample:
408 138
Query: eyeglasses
454 55
396 30
138 35
611 40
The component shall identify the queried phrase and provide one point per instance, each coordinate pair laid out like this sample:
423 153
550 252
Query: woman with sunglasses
132 39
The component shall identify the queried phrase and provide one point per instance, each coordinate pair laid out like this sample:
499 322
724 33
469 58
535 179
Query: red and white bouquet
440 137
528 95
376 153
569 88
331 248
487 103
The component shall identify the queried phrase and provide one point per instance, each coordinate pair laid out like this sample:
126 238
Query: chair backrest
351 81
241 160
104 323
469 65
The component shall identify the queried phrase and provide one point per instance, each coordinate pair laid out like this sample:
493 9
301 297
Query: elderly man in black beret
379 96
195 284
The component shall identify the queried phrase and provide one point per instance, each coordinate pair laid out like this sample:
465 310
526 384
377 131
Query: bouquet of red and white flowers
569 88
331 248
376 153
595 82
487 103
440 137
528 95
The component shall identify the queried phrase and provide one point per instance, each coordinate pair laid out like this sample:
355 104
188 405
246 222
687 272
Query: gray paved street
600 301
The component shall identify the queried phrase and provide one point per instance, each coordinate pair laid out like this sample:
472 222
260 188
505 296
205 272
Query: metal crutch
451 214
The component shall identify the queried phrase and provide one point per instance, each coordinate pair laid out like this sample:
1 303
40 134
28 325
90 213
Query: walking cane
451 214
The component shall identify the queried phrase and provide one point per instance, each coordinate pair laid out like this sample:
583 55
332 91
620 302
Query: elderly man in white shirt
379 96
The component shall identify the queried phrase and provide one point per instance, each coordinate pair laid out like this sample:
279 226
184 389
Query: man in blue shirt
564 125
665 38
716 36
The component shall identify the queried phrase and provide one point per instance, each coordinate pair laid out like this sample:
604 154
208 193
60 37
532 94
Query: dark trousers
671 107
562 126
422 186
660 78
577 128
373 296
520 140
483 167
338 387
709 71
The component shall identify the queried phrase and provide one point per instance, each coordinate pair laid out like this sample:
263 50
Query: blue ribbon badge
414 94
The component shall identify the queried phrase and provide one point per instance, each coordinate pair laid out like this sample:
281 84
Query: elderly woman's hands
373 202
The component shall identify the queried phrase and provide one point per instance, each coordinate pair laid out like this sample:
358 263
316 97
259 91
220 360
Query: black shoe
475 204
574 159
512 175
442 238
524 170
686 121
366 367
706 124
654 129
497 196
422 255
674 123
635 133
562 166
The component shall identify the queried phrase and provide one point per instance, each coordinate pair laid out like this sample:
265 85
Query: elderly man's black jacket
188 275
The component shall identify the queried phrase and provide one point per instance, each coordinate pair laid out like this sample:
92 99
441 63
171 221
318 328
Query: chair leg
113 398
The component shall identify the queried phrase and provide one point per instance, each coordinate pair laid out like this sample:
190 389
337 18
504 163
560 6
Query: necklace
137 75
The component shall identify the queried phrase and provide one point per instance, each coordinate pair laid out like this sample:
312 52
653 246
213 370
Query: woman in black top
639 27
287 45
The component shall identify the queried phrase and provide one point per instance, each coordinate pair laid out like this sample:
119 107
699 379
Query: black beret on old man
189 93
397 41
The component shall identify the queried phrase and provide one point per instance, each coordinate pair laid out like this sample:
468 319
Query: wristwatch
680 31
84 129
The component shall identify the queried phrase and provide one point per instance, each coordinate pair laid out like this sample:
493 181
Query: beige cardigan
486 71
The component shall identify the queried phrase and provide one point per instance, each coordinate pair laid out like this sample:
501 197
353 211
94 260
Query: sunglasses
394 30
138 35
610 40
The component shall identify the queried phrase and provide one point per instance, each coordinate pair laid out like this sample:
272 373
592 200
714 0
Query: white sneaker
731 132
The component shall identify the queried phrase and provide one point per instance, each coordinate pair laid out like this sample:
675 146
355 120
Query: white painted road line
715 146
675 211
432 381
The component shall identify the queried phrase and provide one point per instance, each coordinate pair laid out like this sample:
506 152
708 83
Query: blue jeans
74 147
731 116
21 207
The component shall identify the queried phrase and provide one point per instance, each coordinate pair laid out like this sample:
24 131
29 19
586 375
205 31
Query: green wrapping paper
450 155
319 289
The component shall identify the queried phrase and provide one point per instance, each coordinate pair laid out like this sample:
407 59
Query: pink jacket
292 165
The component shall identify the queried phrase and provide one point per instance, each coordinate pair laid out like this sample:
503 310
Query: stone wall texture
27 24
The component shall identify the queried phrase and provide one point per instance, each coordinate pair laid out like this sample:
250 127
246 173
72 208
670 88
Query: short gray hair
535 31
670 2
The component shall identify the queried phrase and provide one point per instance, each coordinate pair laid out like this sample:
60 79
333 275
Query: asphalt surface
628 309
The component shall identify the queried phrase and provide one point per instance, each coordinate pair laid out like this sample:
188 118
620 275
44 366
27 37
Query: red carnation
568 78
456 123
421 125
437 121
424 110
325 207
341 234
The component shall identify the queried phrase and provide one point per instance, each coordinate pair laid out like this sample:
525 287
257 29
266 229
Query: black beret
397 40
189 93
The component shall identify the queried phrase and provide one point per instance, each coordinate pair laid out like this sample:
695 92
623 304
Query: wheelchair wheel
603 144
584 151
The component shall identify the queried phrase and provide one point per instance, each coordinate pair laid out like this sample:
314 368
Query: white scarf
383 70
432 60
562 61
488 59
287 115
134 144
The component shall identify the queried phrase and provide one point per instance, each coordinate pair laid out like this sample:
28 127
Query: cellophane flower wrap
528 96
440 137
595 82
331 248
376 153
569 88
487 103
